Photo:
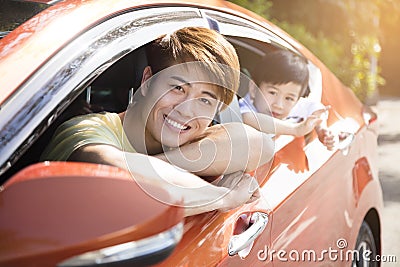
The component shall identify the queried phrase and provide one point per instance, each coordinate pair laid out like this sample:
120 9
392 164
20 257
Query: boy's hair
281 67
211 49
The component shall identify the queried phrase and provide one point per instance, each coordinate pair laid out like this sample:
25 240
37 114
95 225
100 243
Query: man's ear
147 74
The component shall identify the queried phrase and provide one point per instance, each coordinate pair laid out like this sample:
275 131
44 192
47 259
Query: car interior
113 89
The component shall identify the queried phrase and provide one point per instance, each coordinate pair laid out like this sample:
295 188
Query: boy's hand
326 137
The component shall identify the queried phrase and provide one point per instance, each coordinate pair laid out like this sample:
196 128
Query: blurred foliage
330 52
14 13
344 34
261 7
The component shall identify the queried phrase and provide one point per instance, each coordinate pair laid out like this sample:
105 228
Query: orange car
317 207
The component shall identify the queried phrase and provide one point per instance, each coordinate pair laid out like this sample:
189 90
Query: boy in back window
279 99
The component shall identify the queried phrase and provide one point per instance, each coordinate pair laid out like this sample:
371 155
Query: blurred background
356 39
359 41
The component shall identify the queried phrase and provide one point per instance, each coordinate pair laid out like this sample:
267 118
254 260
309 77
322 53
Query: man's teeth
176 124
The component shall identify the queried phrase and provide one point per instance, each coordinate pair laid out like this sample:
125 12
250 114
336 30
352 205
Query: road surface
389 174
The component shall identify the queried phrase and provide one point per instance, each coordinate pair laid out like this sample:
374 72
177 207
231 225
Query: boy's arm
268 124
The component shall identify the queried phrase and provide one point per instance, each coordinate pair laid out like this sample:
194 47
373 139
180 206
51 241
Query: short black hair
281 67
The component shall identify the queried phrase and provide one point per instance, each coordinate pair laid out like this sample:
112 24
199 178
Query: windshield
14 13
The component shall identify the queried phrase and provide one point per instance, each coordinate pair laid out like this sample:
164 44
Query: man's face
183 105
280 98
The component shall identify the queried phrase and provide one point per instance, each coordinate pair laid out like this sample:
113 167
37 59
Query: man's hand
243 188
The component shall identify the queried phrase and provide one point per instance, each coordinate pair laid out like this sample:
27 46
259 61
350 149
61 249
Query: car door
313 207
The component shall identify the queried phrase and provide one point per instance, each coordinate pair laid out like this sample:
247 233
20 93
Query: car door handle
241 241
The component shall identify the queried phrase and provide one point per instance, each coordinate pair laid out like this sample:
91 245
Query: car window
252 41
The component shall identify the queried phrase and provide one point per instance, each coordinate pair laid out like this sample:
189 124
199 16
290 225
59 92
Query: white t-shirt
304 108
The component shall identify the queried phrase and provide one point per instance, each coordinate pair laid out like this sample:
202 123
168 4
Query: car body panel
322 214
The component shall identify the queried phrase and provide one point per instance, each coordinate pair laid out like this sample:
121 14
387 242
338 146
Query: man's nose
186 107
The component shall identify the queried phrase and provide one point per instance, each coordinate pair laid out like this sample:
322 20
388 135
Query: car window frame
233 26
43 97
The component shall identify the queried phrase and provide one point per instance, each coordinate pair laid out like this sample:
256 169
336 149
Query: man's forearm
225 149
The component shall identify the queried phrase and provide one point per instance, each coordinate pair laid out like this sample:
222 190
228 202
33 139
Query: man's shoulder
94 119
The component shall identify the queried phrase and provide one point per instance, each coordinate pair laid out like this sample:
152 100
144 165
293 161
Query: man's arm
227 148
268 124
198 195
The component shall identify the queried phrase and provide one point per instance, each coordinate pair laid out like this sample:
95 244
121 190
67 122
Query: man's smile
176 124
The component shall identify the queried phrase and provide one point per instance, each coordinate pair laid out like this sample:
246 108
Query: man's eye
291 99
272 92
206 101
178 87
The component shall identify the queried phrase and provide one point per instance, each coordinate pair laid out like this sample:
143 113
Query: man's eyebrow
212 95
183 81
180 79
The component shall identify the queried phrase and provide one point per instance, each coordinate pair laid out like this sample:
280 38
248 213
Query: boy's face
281 98
183 105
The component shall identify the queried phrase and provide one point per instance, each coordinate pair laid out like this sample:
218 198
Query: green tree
261 7
363 18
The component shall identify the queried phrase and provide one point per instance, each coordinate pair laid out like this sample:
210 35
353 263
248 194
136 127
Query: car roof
29 46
